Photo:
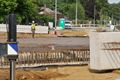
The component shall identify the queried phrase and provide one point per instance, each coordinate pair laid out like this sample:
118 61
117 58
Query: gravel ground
58 41
62 41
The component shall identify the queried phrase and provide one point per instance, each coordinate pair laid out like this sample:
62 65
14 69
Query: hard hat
33 21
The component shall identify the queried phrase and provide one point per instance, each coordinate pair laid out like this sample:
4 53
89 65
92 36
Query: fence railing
47 58
88 25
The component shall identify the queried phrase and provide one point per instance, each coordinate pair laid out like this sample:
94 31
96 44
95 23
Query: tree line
27 10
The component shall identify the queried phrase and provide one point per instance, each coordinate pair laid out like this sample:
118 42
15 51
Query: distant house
50 12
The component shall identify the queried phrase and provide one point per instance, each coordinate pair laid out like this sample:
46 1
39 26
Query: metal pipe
12 38
76 13
12 28
12 69
94 14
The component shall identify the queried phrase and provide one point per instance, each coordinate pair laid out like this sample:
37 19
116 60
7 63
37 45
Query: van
68 24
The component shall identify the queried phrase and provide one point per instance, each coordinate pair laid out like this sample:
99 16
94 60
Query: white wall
25 28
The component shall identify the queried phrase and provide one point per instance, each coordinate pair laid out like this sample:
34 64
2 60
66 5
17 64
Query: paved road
59 41
68 41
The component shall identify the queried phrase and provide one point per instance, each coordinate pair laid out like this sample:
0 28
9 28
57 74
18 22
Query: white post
76 14
94 14
101 17
55 14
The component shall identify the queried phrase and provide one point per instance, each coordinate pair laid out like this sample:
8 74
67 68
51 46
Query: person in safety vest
33 28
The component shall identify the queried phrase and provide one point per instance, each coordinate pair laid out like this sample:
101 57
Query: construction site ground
56 73
60 73
65 33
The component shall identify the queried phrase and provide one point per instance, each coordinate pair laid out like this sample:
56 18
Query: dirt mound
118 27
31 75
73 33
61 73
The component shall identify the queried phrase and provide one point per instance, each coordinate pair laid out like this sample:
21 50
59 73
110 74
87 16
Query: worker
33 28
111 27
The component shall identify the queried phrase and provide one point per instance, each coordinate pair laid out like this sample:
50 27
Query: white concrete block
25 29
104 50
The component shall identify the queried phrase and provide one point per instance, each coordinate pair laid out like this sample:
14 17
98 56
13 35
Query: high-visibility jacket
33 26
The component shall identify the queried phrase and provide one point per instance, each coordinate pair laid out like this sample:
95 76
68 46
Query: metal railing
49 58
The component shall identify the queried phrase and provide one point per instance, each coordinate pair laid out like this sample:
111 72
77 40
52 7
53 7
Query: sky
113 1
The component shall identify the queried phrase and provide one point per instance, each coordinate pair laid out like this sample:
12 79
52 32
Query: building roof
50 12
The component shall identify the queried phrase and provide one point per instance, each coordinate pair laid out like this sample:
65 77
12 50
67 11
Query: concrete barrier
104 51
25 28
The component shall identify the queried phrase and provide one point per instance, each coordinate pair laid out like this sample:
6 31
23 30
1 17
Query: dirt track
61 73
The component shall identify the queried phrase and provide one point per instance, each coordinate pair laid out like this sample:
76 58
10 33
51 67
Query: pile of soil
118 27
31 74
73 33
61 73
67 33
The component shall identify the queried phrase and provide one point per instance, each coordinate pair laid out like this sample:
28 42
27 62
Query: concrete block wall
104 50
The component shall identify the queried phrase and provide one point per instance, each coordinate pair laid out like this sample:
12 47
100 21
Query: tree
102 8
115 11
6 7
64 8
71 12
22 8
26 9
48 3
46 19
89 8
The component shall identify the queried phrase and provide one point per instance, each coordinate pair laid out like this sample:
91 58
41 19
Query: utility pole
76 13
113 20
101 16
94 14
55 14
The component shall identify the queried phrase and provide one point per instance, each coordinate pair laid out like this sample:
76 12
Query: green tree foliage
64 8
28 10
114 11
102 8
6 7
89 8
46 19
23 8
72 11
48 3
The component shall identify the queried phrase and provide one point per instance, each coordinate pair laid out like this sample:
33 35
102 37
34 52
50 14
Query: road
65 41
59 41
